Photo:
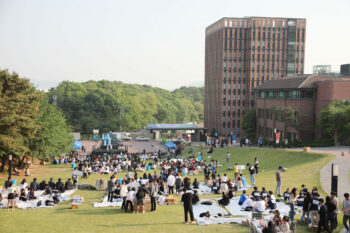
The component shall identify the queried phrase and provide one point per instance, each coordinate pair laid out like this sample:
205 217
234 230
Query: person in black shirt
195 197
34 185
42 185
286 195
307 201
256 193
60 186
331 207
323 222
48 190
187 199
263 193
68 185
313 208
52 184
195 184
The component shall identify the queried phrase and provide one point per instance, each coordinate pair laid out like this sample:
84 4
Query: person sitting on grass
60 186
52 184
256 193
31 195
270 203
23 196
263 193
34 185
195 184
260 205
48 190
286 195
195 197
248 204
284 227
68 185
242 198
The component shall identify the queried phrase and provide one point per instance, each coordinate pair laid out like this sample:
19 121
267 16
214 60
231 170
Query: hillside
111 105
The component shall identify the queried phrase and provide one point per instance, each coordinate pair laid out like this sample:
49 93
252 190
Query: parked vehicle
141 138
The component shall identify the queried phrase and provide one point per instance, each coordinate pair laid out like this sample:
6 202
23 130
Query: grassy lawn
303 168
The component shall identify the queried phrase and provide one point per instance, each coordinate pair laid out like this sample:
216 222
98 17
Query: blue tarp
77 145
170 145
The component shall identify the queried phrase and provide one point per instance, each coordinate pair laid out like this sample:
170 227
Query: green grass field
303 168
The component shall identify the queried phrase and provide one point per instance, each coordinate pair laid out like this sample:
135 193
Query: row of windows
288 94
276 114
268 132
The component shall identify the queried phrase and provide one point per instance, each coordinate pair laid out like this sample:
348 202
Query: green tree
335 121
248 123
53 137
19 105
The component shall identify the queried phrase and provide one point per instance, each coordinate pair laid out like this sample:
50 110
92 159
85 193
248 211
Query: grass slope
303 168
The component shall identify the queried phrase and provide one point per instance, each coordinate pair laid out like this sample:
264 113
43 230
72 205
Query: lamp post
334 178
10 167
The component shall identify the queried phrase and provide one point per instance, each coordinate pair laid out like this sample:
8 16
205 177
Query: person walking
227 157
153 193
187 199
279 180
251 172
346 211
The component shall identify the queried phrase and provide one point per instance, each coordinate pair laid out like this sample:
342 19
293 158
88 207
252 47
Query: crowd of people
27 191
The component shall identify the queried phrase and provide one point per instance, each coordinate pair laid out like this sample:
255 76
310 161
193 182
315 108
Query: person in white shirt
170 183
248 203
129 199
23 185
260 205
224 178
123 193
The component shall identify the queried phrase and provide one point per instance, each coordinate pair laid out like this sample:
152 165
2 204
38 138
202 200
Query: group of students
27 192
258 201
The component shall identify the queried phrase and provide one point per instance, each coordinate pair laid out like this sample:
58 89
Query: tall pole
10 166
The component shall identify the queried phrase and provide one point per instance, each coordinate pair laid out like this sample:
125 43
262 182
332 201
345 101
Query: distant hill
112 105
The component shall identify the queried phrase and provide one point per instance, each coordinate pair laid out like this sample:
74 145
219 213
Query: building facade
241 54
292 106
321 69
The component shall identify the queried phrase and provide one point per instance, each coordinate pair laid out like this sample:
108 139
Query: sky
154 42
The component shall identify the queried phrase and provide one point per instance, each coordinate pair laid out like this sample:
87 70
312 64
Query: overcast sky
155 42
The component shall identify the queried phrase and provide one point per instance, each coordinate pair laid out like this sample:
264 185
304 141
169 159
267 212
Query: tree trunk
336 143
3 160
21 162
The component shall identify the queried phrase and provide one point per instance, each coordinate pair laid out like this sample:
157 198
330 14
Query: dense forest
114 106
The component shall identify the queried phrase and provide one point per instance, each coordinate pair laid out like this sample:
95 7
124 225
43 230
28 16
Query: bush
315 143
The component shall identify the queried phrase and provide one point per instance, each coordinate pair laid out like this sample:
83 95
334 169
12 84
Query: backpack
140 193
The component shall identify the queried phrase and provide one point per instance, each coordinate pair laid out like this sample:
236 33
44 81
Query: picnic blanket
40 198
206 190
218 215
105 203
236 210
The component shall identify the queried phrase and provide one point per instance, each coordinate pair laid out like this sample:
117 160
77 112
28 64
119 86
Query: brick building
242 53
306 95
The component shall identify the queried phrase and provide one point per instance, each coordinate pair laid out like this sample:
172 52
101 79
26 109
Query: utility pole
120 118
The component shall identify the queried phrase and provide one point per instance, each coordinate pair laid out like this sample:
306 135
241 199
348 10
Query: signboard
95 131
286 141
278 136
260 141
233 139
241 167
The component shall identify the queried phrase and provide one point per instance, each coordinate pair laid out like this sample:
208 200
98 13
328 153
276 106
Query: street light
10 166
334 179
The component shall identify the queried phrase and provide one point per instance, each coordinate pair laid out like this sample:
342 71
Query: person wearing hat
153 194
323 220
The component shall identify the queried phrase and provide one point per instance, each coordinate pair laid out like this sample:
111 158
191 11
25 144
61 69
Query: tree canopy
28 124
114 106
335 120
248 123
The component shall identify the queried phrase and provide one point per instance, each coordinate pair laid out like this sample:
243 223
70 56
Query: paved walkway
343 163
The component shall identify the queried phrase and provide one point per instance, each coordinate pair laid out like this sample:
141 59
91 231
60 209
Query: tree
335 120
53 137
108 106
248 123
19 105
